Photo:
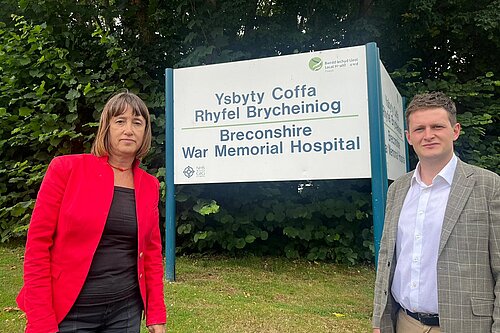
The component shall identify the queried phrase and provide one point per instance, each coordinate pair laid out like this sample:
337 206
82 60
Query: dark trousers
118 317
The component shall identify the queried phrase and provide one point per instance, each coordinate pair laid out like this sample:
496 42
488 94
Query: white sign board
395 145
296 117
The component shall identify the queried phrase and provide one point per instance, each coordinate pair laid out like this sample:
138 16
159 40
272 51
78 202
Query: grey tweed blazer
468 265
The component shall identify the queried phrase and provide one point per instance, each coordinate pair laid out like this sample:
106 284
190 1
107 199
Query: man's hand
157 328
376 330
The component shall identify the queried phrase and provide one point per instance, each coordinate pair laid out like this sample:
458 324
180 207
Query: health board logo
315 64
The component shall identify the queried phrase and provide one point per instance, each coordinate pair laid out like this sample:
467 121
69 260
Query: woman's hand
157 328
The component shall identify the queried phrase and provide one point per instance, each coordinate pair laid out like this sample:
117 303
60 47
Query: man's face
431 135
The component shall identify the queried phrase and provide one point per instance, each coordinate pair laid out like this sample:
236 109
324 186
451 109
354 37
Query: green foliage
36 78
323 220
57 70
48 104
478 107
452 46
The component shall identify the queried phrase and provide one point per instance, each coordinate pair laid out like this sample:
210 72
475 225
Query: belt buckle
428 319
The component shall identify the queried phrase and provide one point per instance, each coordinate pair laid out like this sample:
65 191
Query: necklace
118 168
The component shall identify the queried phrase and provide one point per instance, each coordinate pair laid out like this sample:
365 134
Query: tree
60 60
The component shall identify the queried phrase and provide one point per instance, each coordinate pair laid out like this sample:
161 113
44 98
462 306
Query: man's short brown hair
432 100
116 106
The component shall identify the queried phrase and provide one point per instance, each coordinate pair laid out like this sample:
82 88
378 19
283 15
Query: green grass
11 262
250 294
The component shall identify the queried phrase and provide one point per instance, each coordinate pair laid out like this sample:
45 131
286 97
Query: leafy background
61 60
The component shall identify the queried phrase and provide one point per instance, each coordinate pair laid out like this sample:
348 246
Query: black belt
425 318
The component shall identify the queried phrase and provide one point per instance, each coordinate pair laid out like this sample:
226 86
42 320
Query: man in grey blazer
439 259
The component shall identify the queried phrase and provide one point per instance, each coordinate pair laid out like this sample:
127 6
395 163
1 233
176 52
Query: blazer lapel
460 191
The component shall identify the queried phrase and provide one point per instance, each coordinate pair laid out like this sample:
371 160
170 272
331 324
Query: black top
113 272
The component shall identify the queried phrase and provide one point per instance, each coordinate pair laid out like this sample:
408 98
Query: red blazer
67 223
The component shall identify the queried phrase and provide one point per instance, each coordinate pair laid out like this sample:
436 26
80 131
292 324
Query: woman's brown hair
116 106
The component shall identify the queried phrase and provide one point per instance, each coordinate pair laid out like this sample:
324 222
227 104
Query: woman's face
126 133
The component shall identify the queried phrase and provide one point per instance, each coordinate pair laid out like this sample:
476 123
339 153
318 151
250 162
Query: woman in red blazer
93 258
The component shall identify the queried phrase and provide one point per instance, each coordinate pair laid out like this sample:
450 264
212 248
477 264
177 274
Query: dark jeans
119 317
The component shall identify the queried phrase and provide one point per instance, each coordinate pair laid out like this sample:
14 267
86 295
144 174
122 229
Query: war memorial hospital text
251 106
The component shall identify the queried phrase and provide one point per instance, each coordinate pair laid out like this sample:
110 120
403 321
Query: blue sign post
170 229
377 144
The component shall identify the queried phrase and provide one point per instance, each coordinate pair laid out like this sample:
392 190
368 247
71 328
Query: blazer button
385 292
140 276
388 264
141 254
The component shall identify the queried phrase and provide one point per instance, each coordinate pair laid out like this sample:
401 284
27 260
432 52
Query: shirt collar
446 173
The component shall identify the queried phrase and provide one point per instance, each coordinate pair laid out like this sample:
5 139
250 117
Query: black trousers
118 317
